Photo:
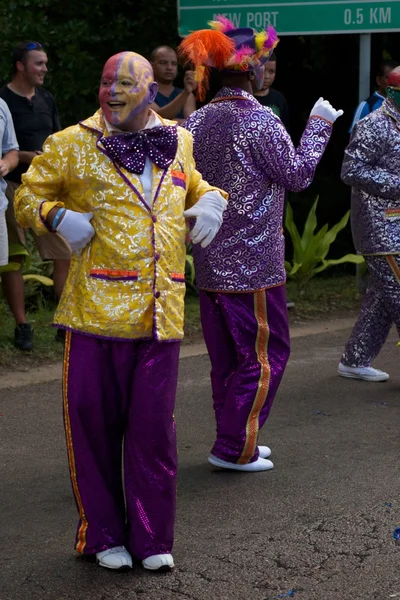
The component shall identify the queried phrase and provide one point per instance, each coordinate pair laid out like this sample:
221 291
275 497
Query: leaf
310 225
20 250
40 278
332 234
294 234
11 266
190 270
351 258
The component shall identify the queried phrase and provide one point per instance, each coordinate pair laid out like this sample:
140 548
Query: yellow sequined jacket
128 283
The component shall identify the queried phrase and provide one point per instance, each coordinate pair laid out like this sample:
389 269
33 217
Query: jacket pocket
114 275
178 277
179 179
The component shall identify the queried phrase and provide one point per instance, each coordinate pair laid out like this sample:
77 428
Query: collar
235 93
391 110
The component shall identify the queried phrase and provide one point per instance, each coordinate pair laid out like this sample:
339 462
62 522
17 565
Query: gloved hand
208 212
75 227
324 109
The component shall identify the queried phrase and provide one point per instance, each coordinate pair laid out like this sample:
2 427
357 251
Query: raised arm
294 168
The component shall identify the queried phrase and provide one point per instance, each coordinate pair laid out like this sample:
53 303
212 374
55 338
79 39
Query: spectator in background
172 102
377 98
268 96
35 117
8 162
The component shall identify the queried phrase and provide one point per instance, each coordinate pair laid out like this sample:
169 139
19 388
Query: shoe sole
120 569
23 349
163 569
363 378
234 467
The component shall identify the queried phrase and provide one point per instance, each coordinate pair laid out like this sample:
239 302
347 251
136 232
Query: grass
323 298
330 297
46 347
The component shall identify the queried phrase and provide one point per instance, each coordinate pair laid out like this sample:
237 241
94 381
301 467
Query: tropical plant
311 249
35 272
190 274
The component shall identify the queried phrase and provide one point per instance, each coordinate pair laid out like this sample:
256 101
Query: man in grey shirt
8 162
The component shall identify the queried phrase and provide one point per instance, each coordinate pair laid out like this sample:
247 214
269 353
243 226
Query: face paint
127 88
393 95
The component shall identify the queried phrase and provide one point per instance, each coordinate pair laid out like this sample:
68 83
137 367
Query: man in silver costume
372 167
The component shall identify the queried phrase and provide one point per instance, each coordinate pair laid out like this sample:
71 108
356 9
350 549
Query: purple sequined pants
118 402
247 338
379 311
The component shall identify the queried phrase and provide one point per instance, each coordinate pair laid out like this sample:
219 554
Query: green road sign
294 17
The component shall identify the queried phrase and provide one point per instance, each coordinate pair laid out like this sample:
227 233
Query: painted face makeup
127 88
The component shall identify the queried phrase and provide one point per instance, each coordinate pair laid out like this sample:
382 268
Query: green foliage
36 274
190 274
79 37
311 249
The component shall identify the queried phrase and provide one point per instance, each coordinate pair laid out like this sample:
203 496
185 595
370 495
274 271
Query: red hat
393 79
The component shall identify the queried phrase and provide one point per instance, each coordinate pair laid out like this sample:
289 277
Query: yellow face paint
127 87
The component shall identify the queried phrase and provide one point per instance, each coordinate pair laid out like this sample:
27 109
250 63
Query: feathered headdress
227 48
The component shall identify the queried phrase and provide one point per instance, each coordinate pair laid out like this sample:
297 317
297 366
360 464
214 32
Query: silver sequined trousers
379 311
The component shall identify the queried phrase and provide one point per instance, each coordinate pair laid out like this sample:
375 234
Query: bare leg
13 288
60 274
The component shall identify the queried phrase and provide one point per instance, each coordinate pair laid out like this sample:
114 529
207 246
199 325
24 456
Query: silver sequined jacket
243 148
372 167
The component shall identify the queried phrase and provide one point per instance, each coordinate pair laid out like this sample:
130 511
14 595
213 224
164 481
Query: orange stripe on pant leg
260 312
394 266
81 543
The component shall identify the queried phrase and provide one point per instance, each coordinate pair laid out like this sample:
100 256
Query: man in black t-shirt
35 117
268 96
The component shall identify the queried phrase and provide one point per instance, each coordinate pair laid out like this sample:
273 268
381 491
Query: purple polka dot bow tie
130 150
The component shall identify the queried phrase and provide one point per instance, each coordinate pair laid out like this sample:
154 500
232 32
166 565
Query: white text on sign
381 15
256 20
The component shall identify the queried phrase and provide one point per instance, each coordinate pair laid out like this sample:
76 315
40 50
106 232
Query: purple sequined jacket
243 148
372 167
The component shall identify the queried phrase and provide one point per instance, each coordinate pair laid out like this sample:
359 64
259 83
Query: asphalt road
318 526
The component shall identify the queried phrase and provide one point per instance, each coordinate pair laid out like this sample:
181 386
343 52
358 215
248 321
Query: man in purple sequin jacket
371 166
244 149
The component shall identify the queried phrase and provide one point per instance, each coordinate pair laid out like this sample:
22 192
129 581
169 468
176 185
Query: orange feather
205 49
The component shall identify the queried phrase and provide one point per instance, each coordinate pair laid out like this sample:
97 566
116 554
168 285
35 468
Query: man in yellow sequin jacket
118 186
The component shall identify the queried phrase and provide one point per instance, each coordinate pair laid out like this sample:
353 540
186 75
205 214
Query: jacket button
154 219
157 294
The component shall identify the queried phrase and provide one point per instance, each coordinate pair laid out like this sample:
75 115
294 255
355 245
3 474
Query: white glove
209 213
324 109
75 227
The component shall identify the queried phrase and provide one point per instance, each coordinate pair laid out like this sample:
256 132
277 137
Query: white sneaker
117 558
364 373
261 464
264 451
159 562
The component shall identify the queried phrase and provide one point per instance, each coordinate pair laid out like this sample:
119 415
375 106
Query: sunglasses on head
33 46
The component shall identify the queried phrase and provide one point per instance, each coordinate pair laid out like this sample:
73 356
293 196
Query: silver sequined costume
372 167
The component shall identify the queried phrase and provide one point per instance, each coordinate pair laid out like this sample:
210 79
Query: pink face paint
127 87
